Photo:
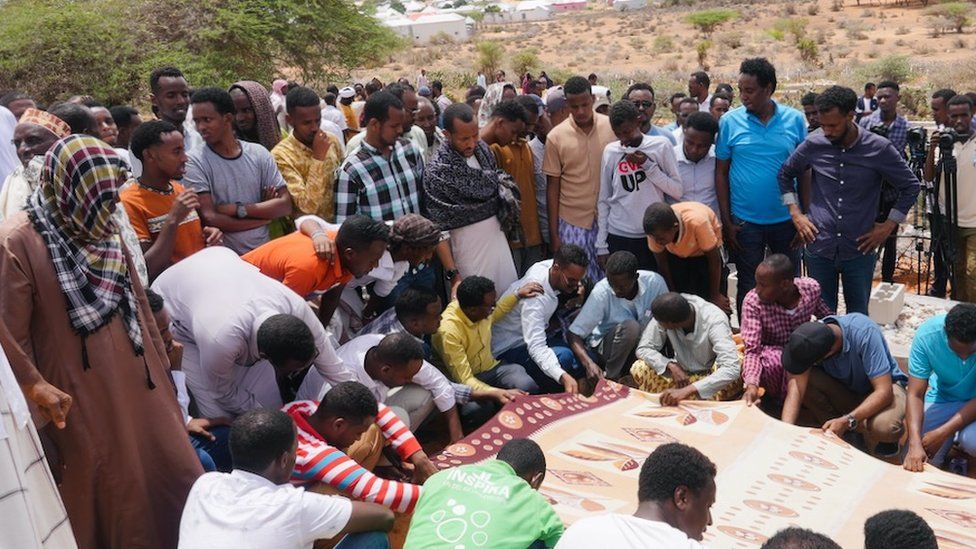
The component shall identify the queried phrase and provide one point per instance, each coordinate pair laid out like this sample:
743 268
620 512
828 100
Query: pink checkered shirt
767 325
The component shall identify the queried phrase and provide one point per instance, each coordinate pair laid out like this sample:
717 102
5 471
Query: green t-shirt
481 505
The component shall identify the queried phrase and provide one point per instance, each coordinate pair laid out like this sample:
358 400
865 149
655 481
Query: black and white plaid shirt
384 189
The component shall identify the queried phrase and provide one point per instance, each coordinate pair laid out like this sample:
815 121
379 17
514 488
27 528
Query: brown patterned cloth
47 121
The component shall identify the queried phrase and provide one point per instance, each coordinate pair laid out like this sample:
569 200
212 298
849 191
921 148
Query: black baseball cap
807 346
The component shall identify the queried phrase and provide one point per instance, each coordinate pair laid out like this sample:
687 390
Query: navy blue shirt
864 355
846 188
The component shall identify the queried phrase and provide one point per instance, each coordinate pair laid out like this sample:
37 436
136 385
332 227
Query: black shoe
936 293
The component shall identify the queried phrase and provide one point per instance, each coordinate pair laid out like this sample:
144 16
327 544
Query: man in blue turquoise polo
753 142
942 388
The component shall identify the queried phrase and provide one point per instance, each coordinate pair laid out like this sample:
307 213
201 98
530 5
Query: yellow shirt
465 346
352 119
311 182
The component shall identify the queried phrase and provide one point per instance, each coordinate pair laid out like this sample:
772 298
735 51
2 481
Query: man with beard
848 165
33 136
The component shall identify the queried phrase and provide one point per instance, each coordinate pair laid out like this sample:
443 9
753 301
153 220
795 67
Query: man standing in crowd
675 494
346 97
770 312
382 178
941 407
162 212
520 337
960 114
642 96
673 103
895 128
940 115
239 186
753 142
127 119
696 161
637 170
809 104
867 103
170 100
437 94
698 86
574 150
426 120
614 315
686 107
33 136
843 379
308 157
254 117
719 104
849 165
462 194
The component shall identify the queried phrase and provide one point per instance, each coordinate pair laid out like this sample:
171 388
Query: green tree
955 13
56 48
708 20
702 50
489 56
525 61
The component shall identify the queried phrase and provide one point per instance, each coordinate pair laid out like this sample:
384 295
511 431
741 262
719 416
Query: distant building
422 27
532 10
568 5
627 5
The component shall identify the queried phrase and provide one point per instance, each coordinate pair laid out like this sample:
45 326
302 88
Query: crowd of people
281 288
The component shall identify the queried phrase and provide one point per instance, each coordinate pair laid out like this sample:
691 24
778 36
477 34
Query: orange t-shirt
148 211
699 231
291 260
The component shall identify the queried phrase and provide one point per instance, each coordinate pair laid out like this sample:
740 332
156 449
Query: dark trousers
938 260
889 257
690 276
754 240
636 246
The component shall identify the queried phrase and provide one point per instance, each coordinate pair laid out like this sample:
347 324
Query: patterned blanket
770 475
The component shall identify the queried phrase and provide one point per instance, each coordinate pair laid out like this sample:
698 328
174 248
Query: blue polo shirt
757 151
603 310
864 354
951 379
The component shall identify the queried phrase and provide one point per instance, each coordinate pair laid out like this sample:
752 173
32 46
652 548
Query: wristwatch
451 275
851 422
241 210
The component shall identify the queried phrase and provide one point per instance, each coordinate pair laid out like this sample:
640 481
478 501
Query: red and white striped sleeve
396 433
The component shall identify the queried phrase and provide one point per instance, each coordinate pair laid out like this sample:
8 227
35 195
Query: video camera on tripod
917 144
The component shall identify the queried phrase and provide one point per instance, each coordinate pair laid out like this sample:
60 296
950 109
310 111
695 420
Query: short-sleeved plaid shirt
382 188
897 131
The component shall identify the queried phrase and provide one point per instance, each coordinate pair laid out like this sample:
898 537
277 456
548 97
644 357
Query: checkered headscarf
72 210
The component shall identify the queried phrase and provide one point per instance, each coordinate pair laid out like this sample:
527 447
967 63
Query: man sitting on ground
675 492
162 212
795 537
463 340
842 376
898 529
705 363
292 260
614 316
943 361
685 239
255 507
771 311
506 503
520 337
395 361
340 441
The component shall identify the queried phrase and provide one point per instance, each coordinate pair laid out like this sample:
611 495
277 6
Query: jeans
214 454
936 414
567 361
856 274
365 540
754 239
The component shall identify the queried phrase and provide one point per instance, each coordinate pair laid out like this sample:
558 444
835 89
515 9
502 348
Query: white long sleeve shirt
353 356
708 348
526 322
626 189
217 302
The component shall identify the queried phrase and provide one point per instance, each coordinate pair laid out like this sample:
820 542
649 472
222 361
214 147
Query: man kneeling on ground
706 363
843 379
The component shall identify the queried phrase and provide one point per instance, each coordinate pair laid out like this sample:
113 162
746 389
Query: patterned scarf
72 211
265 120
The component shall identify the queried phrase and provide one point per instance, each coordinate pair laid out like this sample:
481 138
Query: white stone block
886 303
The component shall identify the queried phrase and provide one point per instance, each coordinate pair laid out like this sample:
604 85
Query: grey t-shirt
229 180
